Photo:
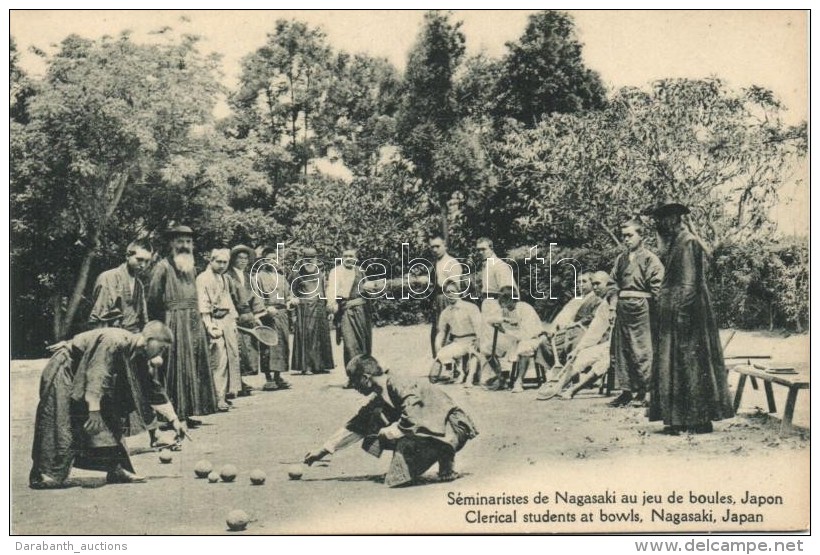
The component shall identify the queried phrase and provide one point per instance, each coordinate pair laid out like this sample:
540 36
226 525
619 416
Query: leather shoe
121 476
621 400
46 482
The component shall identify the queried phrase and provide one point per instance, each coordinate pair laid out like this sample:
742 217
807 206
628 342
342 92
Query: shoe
244 393
621 400
547 392
270 386
671 430
701 428
282 384
228 402
46 482
121 476
193 423
230 396
223 407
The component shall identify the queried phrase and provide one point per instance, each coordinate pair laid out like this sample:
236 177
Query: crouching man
88 392
418 422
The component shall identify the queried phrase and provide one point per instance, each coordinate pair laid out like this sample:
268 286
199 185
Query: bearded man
172 298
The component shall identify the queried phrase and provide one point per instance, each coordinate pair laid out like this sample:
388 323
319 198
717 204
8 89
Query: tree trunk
79 288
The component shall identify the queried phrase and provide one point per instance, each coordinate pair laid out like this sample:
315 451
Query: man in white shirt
446 268
458 329
219 318
519 329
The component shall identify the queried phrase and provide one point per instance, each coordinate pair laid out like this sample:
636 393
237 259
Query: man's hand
313 457
181 430
95 424
214 332
271 310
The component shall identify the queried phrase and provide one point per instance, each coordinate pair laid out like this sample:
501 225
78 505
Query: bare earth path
525 448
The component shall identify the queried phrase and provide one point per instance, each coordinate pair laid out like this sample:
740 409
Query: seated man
592 349
518 327
458 328
420 423
569 326
88 392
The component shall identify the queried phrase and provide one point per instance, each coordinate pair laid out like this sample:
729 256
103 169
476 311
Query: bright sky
767 48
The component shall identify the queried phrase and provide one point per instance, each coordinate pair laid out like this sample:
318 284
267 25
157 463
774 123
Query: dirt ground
525 447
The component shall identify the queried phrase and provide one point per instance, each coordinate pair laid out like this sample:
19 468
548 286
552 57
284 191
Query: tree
544 73
429 111
357 116
280 90
109 117
574 177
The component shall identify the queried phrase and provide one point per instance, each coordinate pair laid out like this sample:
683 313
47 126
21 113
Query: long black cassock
689 383
103 363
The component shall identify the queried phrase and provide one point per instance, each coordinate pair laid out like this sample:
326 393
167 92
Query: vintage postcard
408 272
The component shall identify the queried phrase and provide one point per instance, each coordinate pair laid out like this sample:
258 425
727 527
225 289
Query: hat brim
671 209
247 250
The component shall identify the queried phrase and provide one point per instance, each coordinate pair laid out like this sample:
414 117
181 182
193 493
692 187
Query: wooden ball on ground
228 473
295 472
203 468
237 520
257 477
213 477
165 457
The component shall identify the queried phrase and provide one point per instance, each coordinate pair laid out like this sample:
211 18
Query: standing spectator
273 287
689 383
351 310
312 352
119 294
172 298
638 274
219 319
250 309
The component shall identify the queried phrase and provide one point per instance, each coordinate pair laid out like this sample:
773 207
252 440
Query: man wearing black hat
172 298
689 388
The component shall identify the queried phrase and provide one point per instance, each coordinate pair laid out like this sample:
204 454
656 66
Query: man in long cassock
172 298
420 423
88 390
271 284
219 318
638 273
689 386
312 352
347 290
250 308
118 299
446 268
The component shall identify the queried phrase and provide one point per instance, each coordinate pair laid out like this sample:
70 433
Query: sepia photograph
408 272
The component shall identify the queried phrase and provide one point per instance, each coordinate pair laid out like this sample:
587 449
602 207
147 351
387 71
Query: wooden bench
800 379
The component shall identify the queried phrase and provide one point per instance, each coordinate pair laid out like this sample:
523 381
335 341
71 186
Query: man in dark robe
312 352
172 298
88 392
638 273
420 423
118 298
271 284
347 292
689 383
250 308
